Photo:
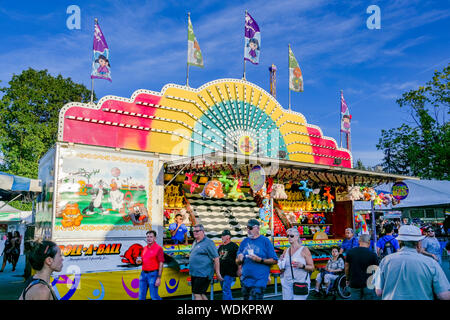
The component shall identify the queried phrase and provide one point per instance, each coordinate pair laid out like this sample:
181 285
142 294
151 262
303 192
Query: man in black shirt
228 267
360 264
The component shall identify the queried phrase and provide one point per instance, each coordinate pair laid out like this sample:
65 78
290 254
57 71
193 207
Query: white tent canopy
10 214
422 193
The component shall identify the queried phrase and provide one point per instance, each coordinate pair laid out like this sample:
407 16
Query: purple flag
252 43
101 68
345 116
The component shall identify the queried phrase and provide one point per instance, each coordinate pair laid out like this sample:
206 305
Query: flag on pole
195 57
252 43
101 68
295 74
345 115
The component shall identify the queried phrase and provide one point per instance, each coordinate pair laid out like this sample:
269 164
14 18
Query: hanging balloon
191 183
257 178
236 192
225 181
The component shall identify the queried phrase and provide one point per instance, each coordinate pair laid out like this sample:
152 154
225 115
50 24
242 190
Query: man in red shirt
152 261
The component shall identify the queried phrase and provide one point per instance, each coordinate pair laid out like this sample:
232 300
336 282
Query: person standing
387 244
152 260
228 267
7 251
408 274
295 265
431 246
178 230
15 253
45 258
349 242
203 261
256 254
359 264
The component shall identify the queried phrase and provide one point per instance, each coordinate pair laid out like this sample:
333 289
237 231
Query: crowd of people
398 267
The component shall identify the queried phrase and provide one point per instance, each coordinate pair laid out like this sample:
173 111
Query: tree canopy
29 110
422 147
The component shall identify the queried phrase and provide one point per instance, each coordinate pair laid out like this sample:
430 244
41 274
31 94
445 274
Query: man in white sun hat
408 274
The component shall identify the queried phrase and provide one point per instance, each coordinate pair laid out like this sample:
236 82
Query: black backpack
388 249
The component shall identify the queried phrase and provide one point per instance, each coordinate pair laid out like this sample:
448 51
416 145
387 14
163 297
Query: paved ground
11 284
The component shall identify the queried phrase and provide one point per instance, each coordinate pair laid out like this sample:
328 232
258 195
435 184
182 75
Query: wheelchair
337 287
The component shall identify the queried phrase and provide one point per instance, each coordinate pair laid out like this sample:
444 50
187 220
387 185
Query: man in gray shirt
408 274
203 261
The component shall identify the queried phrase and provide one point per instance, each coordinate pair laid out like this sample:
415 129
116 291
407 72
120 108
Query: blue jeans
226 287
252 293
147 281
362 294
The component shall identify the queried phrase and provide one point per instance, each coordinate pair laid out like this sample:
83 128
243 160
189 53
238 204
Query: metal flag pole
374 225
289 75
187 62
92 79
340 120
271 221
245 21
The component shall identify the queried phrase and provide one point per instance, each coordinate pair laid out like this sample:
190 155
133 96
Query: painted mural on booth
103 195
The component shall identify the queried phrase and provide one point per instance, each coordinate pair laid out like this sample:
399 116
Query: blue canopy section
12 185
422 193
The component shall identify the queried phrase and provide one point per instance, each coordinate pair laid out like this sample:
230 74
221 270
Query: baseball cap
252 223
409 233
226 232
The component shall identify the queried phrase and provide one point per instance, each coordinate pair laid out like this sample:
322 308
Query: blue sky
334 47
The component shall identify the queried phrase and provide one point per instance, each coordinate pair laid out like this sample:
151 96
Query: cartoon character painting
96 203
71 216
116 197
103 69
134 251
137 213
253 52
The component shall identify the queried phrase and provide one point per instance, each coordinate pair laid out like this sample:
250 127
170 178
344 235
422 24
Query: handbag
299 288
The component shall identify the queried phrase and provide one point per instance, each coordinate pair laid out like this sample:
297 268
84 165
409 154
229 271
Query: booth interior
215 190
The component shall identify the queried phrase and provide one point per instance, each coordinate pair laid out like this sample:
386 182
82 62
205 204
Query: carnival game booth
127 165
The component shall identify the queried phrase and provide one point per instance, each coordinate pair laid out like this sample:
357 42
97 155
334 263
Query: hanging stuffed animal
328 194
225 181
264 212
290 216
236 192
305 188
378 201
191 183
360 219
269 185
213 189
355 194
387 199
278 192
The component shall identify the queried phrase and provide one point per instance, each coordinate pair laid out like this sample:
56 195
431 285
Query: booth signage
400 190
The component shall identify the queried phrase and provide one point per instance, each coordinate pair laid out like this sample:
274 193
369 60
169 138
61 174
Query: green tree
421 148
29 110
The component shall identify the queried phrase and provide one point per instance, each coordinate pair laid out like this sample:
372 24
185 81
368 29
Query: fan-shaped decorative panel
228 115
